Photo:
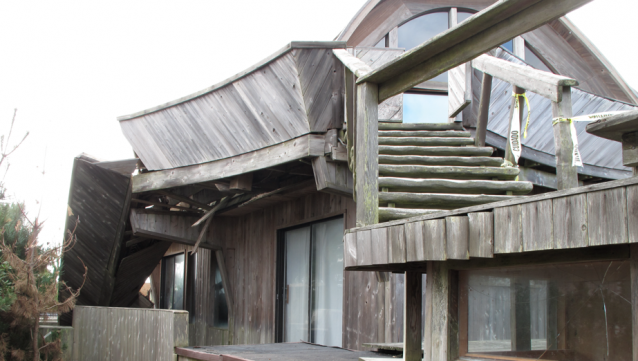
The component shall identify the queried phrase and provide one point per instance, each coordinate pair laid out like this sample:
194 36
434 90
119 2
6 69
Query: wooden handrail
354 64
540 82
460 44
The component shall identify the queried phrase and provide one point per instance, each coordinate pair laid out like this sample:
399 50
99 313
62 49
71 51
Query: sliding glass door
311 283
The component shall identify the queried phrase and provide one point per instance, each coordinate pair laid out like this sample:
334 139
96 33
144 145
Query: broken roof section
293 92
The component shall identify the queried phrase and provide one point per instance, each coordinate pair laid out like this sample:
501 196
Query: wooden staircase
426 168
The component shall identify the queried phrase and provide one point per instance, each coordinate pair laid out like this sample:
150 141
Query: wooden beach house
386 190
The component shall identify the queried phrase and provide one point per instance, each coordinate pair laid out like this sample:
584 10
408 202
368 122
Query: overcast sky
72 67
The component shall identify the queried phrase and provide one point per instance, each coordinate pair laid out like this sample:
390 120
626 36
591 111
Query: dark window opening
220 304
172 292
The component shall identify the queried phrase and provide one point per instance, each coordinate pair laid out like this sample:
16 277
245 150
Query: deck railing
464 42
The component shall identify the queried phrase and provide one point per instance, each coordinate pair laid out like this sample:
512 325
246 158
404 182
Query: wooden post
350 113
633 254
366 155
566 174
412 343
393 38
437 330
484 110
518 47
520 313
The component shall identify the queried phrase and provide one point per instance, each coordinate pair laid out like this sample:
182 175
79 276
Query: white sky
72 67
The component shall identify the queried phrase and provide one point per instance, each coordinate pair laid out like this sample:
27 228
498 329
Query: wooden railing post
366 155
566 174
484 110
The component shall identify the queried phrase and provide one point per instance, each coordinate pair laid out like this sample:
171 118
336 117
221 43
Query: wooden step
436 151
449 172
454 186
420 126
390 214
424 133
431 160
437 200
421 141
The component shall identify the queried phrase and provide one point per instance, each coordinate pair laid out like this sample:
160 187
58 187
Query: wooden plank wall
114 334
99 197
249 245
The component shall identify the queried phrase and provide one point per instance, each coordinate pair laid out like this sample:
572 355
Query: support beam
412 343
192 202
566 174
437 322
367 165
308 145
464 42
484 111
242 182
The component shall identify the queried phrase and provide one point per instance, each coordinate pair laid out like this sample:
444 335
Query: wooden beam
540 82
308 145
157 204
242 182
613 127
173 227
367 165
354 64
412 342
192 202
484 111
566 174
212 212
489 28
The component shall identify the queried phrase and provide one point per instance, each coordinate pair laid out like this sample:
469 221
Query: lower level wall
370 311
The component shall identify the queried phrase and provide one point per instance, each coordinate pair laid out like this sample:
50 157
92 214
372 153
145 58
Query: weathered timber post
366 155
566 174
484 111
441 341
412 342
518 47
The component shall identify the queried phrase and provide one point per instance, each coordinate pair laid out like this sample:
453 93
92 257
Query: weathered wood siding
372 309
597 215
99 197
114 334
296 92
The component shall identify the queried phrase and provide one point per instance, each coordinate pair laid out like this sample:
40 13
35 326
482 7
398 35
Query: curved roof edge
600 57
357 19
264 62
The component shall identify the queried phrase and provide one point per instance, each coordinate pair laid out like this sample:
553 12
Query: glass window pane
297 284
535 61
327 291
178 289
169 281
566 312
425 108
509 46
418 30
220 310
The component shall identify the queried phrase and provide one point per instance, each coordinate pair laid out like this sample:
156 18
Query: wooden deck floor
277 351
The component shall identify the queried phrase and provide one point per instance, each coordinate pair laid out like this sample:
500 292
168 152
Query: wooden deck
274 351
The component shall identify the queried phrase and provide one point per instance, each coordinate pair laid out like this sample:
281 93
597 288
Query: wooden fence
119 334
